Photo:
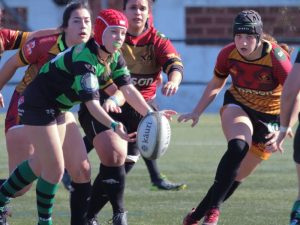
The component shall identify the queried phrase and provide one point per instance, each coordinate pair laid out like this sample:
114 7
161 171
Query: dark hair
248 22
72 6
150 2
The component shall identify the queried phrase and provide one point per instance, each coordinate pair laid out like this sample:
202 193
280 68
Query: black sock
88 144
153 170
225 176
232 189
79 202
104 189
2 181
98 198
129 166
113 180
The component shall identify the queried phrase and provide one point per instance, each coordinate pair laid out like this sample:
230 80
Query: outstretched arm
211 91
43 32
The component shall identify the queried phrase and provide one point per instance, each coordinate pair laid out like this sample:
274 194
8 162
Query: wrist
114 99
149 111
114 125
285 129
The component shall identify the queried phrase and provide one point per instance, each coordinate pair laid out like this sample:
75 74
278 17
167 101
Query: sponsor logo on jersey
265 78
29 47
142 82
161 35
89 82
279 54
255 92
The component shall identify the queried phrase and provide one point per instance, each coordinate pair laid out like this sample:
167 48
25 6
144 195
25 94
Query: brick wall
215 24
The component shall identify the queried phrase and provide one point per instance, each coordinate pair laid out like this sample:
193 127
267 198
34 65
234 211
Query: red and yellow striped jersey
257 84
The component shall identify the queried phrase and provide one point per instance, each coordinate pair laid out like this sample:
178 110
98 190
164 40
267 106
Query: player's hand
271 145
170 88
189 116
281 137
111 106
168 113
121 131
1 101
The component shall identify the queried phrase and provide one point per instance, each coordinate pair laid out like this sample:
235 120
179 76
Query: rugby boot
295 214
120 218
164 184
211 217
92 221
188 220
3 216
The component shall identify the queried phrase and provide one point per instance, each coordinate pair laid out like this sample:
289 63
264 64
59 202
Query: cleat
92 221
211 217
3 216
120 219
164 184
66 180
295 214
188 220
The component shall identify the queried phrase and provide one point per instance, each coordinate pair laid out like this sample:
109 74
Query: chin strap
104 49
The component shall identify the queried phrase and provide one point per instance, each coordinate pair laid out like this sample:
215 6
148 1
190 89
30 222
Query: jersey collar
60 45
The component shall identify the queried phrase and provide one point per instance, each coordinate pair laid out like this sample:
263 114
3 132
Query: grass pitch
265 198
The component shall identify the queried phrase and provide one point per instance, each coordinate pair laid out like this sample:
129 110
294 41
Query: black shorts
129 118
262 123
38 116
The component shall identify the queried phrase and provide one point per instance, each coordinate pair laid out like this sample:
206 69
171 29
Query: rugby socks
232 189
113 181
98 198
225 176
129 166
79 202
2 181
153 170
45 194
206 200
20 178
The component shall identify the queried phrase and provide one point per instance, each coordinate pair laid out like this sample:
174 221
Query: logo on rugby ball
153 135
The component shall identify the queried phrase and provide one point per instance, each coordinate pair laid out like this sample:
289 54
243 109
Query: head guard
248 22
108 18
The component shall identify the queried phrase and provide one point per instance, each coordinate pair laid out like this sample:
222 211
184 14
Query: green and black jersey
72 77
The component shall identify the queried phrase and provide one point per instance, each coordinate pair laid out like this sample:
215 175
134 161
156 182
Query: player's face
79 27
137 12
245 43
113 38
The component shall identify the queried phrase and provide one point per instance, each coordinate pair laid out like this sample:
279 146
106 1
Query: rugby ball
153 135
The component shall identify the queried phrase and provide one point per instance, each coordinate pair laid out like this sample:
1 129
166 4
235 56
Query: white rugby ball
153 135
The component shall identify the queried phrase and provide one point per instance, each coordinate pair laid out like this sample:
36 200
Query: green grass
264 199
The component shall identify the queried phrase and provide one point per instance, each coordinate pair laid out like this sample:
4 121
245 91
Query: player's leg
295 212
238 130
112 151
76 162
